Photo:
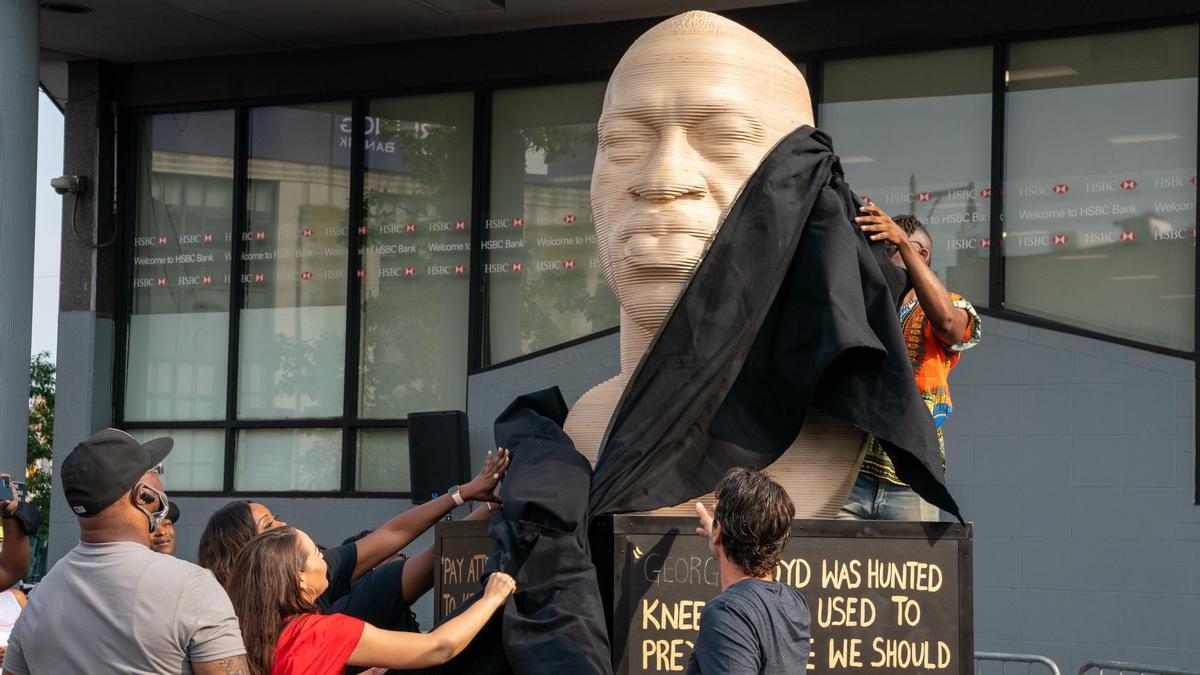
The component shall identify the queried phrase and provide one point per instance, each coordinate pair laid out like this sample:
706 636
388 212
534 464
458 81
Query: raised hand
482 487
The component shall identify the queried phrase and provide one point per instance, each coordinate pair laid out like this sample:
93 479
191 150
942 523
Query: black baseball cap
173 512
104 467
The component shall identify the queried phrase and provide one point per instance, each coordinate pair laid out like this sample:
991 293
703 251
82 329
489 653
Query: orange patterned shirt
932 361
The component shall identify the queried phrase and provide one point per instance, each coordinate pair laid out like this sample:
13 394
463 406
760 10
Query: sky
48 220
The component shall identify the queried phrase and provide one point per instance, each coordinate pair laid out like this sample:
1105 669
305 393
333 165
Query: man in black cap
111 604
163 539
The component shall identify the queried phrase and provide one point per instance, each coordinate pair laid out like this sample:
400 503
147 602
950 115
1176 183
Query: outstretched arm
401 530
395 649
949 322
14 554
418 570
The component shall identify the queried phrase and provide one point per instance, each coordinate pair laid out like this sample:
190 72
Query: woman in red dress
278 576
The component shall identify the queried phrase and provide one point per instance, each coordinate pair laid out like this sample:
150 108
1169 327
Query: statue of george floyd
690 111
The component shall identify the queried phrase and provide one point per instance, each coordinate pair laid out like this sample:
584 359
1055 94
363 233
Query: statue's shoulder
590 415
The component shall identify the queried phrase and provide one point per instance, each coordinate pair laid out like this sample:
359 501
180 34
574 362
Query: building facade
285 254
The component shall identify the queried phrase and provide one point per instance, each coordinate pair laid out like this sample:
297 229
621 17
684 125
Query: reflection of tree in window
414 328
562 304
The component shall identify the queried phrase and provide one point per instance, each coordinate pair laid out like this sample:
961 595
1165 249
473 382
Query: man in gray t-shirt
756 626
112 605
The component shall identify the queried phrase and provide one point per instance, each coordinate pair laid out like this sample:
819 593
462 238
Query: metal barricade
1003 660
1122 668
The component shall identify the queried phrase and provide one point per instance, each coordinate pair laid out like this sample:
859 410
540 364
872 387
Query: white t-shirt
122 608
10 610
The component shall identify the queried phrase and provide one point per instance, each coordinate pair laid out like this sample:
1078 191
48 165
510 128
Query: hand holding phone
9 506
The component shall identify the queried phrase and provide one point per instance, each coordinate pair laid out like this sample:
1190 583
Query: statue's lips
665 250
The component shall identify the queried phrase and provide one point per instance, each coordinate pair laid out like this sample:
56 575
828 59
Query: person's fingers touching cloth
482 488
879 226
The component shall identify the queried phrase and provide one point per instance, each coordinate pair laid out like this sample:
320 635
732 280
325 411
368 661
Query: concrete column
18 162
88 284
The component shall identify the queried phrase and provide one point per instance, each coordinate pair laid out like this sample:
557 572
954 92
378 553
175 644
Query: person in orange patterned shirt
938 326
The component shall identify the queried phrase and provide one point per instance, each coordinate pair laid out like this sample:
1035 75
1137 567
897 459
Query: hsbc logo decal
924 196
569 218
1059 240
1129 184
1061 189
985 192
1128 236
968 244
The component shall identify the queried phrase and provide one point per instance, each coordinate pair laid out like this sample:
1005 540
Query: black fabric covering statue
791 307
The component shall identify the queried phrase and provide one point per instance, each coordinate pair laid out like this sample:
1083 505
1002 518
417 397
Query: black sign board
885 597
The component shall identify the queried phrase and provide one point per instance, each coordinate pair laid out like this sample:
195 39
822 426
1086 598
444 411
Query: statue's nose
670 171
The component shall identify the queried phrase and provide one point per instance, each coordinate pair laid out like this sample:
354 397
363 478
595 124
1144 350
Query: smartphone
20 489
7 483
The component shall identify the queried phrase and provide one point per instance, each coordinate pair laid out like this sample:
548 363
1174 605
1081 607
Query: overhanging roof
132 31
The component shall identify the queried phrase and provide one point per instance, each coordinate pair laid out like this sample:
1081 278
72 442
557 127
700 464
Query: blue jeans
873 499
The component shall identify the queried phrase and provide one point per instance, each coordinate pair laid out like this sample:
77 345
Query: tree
41 436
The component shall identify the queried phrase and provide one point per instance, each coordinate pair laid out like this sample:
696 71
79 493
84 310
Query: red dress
316 644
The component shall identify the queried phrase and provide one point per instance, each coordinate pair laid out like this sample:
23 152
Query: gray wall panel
1074 458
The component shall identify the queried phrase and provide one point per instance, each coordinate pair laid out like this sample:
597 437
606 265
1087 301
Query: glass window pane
416 254
1100 193
197 462
383 460
914 134
179 317
288 459
293 322
542 277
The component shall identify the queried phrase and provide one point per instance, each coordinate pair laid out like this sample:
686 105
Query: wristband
458 500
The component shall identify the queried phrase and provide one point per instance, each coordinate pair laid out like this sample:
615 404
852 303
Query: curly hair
755 515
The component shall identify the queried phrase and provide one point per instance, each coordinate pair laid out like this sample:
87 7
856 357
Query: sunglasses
147 495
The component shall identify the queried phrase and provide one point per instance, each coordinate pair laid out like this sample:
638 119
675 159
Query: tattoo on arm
234 665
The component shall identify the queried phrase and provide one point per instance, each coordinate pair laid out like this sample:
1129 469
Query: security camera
68 184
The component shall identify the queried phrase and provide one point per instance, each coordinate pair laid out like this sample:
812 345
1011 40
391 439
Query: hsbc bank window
294 260
179 320
914 135
416 261
1100 190
542 279
308 460
196 462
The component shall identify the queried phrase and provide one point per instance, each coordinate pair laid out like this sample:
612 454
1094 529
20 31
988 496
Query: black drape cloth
791 307
554 622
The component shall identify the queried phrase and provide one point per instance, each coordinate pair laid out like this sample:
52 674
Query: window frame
349 422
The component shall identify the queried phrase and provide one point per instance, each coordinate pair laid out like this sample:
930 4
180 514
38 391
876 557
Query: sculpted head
690 111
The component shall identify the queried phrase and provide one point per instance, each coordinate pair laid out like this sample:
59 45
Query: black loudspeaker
439 452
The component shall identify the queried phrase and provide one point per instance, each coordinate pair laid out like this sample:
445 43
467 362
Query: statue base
885 597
